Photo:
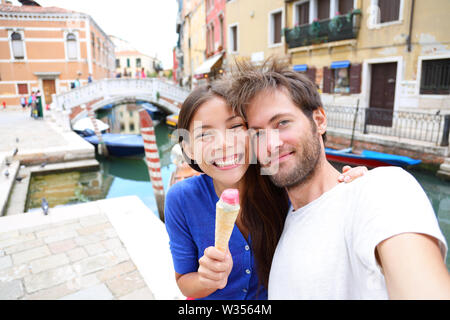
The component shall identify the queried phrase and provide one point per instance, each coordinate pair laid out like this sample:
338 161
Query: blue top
190 216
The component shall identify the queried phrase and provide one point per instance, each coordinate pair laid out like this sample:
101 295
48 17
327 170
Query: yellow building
194 39
49 49
254 29
388 54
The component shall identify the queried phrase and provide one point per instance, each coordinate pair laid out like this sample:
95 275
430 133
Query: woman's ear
320 119
186 148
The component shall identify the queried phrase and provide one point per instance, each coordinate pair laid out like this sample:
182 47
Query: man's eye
283 123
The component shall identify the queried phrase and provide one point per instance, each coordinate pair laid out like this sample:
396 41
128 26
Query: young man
375 238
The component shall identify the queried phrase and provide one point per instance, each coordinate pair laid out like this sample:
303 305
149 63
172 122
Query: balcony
341 27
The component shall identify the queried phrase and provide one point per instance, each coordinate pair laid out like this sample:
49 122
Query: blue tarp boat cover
392 159
118 140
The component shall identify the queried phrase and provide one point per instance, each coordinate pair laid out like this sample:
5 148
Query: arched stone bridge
165 96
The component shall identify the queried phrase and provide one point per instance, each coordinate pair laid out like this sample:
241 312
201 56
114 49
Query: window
345 6
22 88
389 10
221 30
71 46
341 80
213 44
138 62
275 27
117 63
17 46
323 9
302 13
435 77
128 62
93 44
342 77
234 38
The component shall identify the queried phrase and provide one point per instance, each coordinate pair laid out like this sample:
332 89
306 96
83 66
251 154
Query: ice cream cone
227 209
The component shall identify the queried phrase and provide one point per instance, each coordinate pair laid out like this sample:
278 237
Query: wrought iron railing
341 27
418 126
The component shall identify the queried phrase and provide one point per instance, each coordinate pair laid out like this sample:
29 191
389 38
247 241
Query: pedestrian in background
23 102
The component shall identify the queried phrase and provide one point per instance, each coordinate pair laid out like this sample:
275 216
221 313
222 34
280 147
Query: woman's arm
214 268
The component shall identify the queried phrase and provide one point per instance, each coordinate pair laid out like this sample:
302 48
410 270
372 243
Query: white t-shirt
327 248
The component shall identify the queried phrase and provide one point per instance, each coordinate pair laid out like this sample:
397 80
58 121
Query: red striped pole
103 150
152 159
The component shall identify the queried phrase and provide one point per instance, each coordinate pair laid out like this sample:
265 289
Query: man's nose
273 142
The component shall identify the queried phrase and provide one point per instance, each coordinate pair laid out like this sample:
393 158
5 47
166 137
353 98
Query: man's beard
307 156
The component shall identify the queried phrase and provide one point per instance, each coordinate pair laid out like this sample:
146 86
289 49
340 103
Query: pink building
215 27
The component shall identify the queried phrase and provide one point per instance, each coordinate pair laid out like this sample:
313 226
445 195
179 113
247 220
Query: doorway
49 89
382 94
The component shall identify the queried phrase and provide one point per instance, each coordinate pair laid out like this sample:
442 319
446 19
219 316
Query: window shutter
327 80
355 78
311 74
17 46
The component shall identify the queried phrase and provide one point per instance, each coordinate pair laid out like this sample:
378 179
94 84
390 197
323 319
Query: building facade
254 29
392 55
131 63
51 50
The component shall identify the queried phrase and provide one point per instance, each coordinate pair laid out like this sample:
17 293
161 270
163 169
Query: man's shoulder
389 176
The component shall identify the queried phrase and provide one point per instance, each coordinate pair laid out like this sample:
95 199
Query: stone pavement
40 140
107 249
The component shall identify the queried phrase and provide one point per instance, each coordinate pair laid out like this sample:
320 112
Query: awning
340 64
208 64
300 67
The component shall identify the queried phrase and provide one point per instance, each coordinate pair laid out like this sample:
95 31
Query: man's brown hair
248 80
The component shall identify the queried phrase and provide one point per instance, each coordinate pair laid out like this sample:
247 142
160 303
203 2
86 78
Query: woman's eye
237 126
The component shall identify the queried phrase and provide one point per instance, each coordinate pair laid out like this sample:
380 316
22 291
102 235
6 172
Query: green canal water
121 177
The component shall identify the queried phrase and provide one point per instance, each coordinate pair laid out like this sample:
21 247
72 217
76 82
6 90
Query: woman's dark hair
263 205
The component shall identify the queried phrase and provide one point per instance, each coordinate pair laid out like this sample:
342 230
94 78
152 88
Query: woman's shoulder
189 186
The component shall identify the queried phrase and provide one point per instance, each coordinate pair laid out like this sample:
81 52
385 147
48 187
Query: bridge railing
118 87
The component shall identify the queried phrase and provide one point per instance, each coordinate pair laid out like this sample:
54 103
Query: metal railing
419 126
338 28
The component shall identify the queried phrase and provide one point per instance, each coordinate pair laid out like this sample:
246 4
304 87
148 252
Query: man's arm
413 267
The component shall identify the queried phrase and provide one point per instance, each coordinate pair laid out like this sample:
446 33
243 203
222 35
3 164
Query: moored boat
370 159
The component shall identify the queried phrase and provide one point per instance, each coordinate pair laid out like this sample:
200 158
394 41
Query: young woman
216 143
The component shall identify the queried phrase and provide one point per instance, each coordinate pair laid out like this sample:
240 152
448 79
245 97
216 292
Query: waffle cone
224 227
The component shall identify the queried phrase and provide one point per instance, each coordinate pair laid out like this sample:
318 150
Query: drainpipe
408 40
285 25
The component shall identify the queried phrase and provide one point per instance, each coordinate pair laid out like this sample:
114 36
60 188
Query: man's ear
320 119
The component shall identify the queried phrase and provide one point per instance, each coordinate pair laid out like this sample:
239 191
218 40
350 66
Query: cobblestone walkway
77 258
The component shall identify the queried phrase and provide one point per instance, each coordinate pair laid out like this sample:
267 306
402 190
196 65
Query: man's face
287 143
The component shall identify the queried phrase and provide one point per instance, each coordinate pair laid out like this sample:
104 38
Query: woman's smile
229 162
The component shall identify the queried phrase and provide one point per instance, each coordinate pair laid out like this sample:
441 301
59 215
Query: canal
123 176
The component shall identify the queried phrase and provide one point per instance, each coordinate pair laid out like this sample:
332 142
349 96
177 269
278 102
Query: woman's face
219 142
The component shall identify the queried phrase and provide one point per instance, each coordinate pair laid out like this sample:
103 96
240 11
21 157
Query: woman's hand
215 267
349 174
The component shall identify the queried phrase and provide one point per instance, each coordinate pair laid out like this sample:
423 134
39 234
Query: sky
149 25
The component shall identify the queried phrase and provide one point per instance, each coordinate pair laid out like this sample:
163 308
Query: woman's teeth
228 162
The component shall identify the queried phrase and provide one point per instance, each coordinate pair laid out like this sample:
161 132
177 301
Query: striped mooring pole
152 159
102 149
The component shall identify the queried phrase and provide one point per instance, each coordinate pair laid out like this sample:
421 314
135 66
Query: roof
33 9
